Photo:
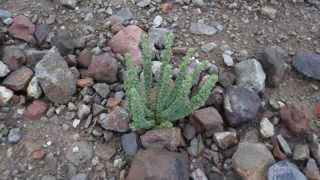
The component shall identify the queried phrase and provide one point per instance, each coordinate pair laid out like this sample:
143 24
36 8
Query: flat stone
202 29
127 41
207 119
225 139
285 170
22 28
55 78
241 105
19 79
227 59
252 160
296 117
170 165
307 63
170 138
104 68
117 120
129 143
36 109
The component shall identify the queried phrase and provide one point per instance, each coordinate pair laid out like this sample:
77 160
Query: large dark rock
157 164
285 170
55 78
65 42
22 28
273 62
241 105
307 63
104 68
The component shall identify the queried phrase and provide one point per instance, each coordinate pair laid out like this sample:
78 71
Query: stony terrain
63 109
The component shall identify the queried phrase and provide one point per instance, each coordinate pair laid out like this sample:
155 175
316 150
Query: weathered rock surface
22 28
207 119
18 80
307 63
169 165
55 77
104 68
36 109
117 120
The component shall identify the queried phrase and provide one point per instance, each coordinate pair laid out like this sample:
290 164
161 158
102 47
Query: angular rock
311 170
41 33
36 109
301 152
196 146
286 171
34 89
225 139
83 111
266 128
117 120
13 57
241 105
22 28
85 58
4 70
33 56
124 14
5 95
80 152
19 79
129 143
207 119
202 29
64 42
250 75
252 161
272 60
102 89
127 41
296 117
307 63
284 145
55 78
104 68
170 165
170 138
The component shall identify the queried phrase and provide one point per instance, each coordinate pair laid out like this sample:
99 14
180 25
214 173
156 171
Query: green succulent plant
158 105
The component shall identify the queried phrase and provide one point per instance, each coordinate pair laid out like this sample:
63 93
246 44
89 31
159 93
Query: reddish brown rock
22 28
207 119
13 57
117 120
296 117
85 57
167 7
127 41
277 152
170 138
157 164
104 68
19 79
36 109
38 154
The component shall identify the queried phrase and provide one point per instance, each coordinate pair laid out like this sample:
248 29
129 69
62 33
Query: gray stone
14 135
285 170
64 42
80 176
273 62
301 152
102 89
69 3
241 105
284 145
48 177
198 174
4 70
156 69
157 21
315 151
129 143
307 64
196 146
198 2
250 75
117 120
4 15
80 152
55 78
311 170
13 57
157 37
202 29
252 160
225 139
5 95
83 111
125 14
227 59
269 11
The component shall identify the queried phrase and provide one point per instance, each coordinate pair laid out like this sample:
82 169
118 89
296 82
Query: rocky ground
63 109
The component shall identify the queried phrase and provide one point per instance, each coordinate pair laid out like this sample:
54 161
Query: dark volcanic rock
307 63
241 105
157 164
55 78
65 42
